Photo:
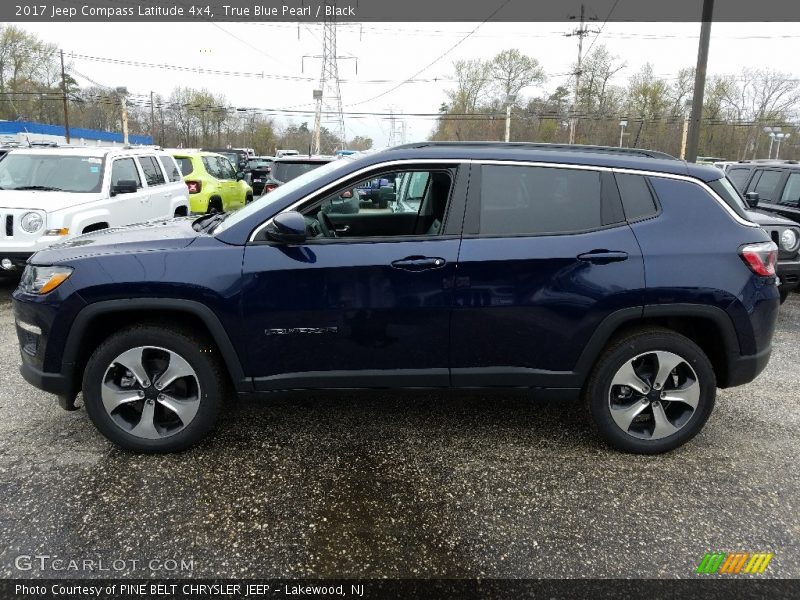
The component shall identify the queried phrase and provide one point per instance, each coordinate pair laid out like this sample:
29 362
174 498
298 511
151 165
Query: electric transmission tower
328 97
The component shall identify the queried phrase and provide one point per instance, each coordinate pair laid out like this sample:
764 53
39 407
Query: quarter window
152 172
124 169
637 199
519 200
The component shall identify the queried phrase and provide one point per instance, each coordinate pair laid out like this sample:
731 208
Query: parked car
636 282
258 170
213 183
286 168
49 194
237 156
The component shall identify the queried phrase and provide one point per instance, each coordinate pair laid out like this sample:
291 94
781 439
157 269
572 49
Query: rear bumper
745 368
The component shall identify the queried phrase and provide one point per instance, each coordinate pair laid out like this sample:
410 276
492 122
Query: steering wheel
326 224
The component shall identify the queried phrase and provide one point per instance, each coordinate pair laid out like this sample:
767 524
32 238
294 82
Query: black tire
194 349
248 199
597 392
214 205
784 294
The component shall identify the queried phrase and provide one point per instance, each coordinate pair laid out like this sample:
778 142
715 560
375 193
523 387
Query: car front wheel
651 391
153 389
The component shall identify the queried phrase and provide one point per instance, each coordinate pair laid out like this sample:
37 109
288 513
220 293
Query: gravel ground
430 485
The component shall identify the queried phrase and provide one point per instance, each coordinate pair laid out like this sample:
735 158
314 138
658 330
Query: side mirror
752 199
288 228
124 186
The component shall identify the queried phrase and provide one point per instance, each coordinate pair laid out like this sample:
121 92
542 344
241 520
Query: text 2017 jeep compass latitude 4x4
631 278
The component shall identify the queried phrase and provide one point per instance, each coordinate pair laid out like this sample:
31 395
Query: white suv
49 194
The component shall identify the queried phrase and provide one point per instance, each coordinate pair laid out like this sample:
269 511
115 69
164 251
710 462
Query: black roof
538 146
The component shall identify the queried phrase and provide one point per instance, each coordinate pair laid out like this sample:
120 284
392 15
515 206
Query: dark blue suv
629 278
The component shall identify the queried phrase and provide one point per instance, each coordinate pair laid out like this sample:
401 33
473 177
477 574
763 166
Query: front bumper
789 273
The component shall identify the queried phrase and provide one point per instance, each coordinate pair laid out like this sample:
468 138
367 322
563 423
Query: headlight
789 239
42 280
31 222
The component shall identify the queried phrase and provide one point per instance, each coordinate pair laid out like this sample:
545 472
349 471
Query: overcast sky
390 53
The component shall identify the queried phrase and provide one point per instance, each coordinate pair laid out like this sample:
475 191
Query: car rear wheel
651 391
153 389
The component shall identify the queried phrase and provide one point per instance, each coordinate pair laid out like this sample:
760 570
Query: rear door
159 200
546 256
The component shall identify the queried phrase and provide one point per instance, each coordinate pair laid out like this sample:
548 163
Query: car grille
9 225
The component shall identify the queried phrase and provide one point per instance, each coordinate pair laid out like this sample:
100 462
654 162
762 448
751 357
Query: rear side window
738 177
170 168
637 198
518 200
152 172
791 192
728 192
766 185
185 165
212 166
124 169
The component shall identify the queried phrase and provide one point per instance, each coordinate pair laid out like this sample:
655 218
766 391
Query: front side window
520 200
766 185
341 214
51 172
124 169
152 172
791 192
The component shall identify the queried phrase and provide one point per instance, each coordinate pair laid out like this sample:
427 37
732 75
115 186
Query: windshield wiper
43 188
206 221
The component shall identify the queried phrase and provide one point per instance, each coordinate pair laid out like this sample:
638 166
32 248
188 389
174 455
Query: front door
368 306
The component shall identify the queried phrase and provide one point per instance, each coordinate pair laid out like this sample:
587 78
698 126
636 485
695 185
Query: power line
440 57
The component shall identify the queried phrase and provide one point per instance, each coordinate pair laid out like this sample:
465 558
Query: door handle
342 229
419 263
603 257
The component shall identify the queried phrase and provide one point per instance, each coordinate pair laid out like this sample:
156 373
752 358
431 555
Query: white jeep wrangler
49 194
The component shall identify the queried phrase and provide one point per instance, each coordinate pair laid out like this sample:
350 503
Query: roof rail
541 146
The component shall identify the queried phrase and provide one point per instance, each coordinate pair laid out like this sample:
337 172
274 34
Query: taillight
761 258
194 187
269 187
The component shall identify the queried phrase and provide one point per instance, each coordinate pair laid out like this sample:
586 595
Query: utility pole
699 82
508 121
64 92
122 92
582 31
152 117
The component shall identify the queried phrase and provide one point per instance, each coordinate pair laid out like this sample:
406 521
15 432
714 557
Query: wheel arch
709 327
98 320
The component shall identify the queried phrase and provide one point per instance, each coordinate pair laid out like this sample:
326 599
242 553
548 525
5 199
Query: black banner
390 10
722 588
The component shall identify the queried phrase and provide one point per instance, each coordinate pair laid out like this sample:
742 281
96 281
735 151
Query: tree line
654 109
31 90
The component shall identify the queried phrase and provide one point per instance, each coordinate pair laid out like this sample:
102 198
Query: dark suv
636 282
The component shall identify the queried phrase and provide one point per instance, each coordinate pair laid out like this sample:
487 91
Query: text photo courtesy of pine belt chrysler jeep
628 278
47 195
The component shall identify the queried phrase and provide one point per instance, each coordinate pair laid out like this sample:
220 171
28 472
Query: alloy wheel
150 392
654 395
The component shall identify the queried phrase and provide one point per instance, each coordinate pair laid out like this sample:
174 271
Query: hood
41 200
161 235
763 217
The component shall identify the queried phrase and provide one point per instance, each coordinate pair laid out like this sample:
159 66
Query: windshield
281 192
286 171
51 173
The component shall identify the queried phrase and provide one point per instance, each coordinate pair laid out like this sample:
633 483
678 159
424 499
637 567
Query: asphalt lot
430 485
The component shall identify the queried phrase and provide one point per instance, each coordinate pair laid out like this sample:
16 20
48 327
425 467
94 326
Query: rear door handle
603 257
342 229
419 263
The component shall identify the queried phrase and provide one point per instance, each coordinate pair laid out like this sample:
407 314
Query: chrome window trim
516 163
